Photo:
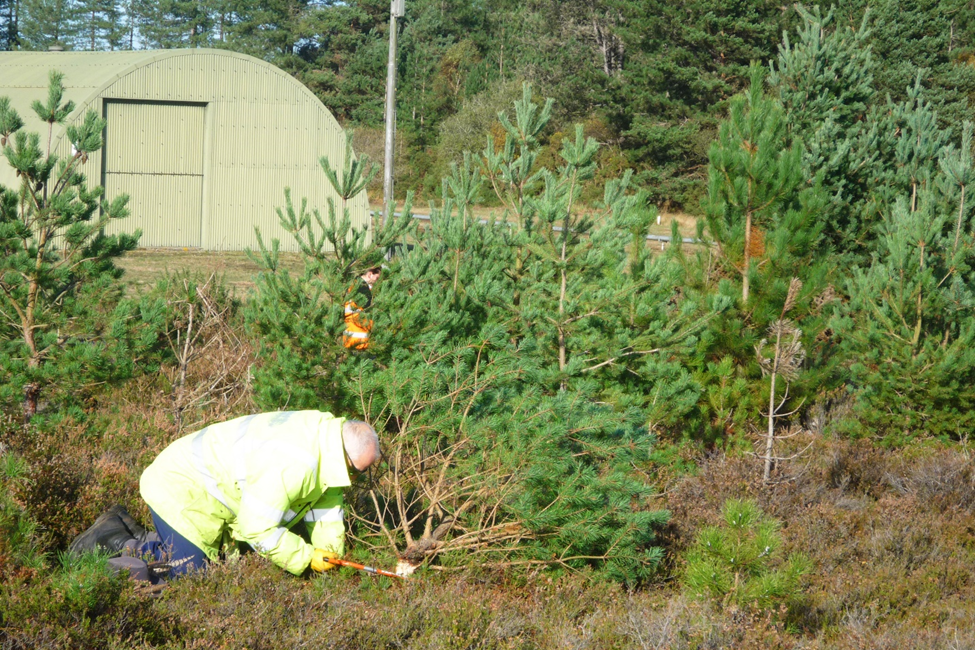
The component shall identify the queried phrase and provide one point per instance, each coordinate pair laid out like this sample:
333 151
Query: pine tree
780 356
827 73
923 35
512 475
482 465
343 58
100 25
911 145
758 204
825 82
176 23
512 173
907 332
47 23
908 365
559 296
682 62
9 28
958 172
560 248
57 277
762 213
266 30
585 292
739 562
300 319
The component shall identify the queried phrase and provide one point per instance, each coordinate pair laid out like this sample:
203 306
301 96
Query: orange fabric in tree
357 325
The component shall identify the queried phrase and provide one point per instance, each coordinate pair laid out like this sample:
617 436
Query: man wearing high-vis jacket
357 325
253 479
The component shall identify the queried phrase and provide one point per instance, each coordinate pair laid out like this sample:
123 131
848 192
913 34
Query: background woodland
649 80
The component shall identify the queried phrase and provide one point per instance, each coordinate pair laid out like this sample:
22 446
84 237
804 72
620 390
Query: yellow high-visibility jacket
255 477
357 325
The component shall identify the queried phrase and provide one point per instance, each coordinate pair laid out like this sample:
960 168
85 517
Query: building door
154 153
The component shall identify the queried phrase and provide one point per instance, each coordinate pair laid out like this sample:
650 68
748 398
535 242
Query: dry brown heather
891 535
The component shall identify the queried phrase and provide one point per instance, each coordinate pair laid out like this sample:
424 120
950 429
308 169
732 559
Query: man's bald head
361 443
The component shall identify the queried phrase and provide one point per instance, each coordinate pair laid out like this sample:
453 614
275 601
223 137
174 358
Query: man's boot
109 533
132 567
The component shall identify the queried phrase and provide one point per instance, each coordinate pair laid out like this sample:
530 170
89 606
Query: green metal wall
154 153
203 141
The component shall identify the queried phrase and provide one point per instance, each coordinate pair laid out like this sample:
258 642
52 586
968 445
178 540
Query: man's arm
326 522
265 501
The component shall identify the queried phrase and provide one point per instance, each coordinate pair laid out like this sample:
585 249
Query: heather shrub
82 604
340 611
52 481
20 541
856 468
70 473
439 610
945 479
67 479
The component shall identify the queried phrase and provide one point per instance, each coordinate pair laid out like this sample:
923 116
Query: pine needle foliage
958 172
760 206
912 144
825 81
62 318
740 563
907 331
485 367
299 320
356 174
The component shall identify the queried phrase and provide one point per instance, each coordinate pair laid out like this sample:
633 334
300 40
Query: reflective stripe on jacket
255 477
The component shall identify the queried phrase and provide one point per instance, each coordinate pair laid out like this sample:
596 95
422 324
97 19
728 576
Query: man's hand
320 560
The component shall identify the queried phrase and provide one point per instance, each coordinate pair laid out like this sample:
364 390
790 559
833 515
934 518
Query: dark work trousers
174 549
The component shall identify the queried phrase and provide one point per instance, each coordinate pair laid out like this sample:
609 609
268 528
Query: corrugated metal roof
262 131
87 69
24 77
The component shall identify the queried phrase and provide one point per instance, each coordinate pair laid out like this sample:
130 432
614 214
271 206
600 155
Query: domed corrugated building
203 141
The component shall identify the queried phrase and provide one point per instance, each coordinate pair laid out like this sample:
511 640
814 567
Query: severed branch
202 330
610 362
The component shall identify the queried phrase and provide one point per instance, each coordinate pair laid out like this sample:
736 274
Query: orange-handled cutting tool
367 569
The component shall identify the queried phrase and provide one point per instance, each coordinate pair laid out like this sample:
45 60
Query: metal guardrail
660 238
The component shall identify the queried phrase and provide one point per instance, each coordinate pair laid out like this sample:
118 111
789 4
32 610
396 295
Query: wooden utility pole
396 10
